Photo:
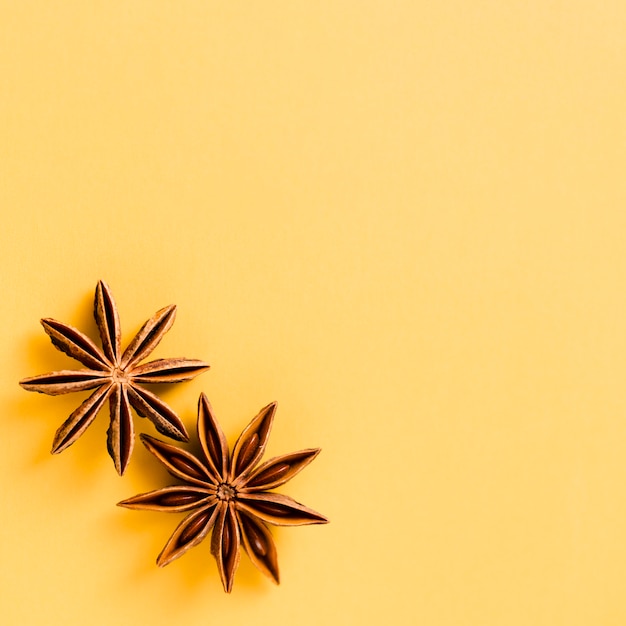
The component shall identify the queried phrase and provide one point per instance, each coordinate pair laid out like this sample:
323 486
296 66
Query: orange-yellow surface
405 222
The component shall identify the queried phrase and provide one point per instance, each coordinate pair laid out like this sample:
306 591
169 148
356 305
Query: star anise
115 376
228 494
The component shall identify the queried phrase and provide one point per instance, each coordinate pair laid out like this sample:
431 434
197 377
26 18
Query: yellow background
405 221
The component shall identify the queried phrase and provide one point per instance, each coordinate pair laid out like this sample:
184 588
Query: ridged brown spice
228 495
116 376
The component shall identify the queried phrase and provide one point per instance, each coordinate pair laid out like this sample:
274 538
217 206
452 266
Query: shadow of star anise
228 494
116 377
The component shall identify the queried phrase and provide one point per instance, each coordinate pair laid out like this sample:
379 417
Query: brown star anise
228 494
115 376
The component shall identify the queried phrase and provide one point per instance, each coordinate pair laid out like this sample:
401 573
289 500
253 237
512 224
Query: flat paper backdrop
404 221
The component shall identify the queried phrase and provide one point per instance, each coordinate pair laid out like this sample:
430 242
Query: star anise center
118 375
226 492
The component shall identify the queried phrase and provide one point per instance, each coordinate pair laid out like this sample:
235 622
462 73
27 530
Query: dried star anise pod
115 376
228 494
